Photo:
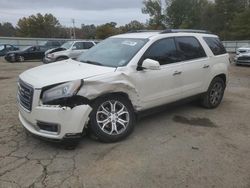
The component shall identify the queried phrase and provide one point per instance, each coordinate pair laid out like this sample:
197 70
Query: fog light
49 127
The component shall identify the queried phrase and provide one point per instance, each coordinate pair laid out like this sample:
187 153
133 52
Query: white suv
70 49
108 85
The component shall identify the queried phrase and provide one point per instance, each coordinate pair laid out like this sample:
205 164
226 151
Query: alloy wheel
216 93
112 117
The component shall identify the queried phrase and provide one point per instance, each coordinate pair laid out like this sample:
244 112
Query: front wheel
214 95
20 59
112 118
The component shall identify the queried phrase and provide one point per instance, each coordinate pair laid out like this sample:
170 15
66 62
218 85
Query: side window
215 45
189 48
163 51
88 45
78 46
9 47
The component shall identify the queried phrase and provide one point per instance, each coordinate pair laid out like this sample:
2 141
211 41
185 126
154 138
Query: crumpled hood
62 71
53 50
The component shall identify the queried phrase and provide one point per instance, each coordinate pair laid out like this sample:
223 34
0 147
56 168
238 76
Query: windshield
67 45
113 52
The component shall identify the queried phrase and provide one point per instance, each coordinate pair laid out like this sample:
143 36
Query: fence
231 46
24 42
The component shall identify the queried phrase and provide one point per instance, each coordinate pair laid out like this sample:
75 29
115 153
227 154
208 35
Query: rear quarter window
215 45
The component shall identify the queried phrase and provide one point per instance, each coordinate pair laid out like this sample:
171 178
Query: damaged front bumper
55 122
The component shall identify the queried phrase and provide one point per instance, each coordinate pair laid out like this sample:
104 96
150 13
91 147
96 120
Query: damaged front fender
118 83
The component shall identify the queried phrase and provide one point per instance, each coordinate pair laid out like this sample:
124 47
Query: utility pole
74 30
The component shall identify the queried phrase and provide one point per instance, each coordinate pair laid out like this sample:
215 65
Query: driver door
158 87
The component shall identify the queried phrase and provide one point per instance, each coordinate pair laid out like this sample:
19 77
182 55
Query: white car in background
243 56
70 49
107 86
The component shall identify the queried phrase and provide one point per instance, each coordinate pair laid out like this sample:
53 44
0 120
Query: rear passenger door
194 62
158 87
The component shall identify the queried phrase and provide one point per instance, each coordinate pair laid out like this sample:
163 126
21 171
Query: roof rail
185 31
144 31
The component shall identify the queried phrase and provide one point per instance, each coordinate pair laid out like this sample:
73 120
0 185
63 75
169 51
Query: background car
70 49
243 56
28 53
5 48
53 44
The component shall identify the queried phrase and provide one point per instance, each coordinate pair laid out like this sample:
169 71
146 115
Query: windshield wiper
93 63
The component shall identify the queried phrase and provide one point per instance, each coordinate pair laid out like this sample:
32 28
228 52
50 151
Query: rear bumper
70 122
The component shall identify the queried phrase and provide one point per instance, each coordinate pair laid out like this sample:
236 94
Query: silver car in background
70 49
243 56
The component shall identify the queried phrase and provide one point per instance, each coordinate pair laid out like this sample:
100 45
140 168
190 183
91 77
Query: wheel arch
117 93
223 77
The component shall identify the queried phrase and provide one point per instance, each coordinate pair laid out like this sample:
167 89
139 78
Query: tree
185 13
226 10
38 26
7 30
155 10
89 31
106 30
240 27
132 26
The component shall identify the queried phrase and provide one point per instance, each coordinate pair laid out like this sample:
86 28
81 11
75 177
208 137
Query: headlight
11 55
66 90
50 55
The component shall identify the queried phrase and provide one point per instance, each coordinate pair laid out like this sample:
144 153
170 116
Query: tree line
48 26
230 19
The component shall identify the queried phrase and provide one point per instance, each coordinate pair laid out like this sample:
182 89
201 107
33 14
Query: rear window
189 48
215 45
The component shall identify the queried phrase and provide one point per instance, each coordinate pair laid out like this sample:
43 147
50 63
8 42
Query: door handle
177 73
206 66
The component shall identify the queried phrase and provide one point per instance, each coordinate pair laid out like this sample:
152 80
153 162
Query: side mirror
74 48
150 64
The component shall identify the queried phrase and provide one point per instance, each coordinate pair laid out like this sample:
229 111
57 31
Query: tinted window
88 45
79 45
163 51
215 45
189 48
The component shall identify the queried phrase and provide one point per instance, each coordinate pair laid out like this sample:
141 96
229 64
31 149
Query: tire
106 124
20 59
61 58
214 95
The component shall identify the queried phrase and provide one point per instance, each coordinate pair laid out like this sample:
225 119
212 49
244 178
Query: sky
83 11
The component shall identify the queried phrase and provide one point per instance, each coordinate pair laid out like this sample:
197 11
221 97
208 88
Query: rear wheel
215 93
112 118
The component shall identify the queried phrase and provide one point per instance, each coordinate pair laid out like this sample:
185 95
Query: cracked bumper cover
70 121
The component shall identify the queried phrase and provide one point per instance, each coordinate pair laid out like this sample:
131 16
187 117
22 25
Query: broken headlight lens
66 90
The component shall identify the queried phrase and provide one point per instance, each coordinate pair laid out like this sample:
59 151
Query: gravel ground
183 146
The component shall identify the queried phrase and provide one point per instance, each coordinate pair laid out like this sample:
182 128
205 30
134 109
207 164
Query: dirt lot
184 146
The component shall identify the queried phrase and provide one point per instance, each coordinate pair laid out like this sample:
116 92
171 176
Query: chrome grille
25 95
